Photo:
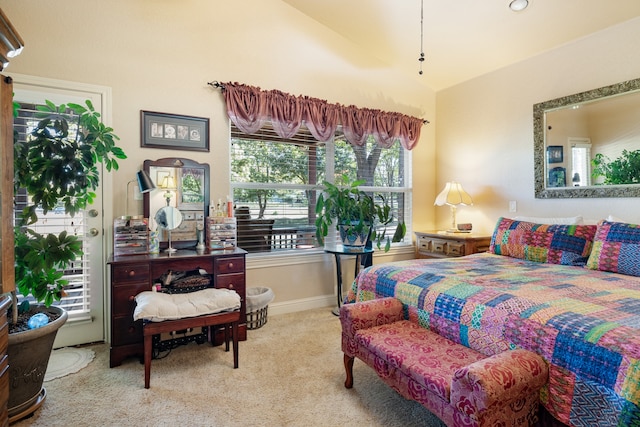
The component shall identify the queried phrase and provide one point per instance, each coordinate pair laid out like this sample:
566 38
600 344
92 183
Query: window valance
249 107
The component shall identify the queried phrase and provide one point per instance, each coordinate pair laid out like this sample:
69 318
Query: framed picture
555 154
173 131
557 177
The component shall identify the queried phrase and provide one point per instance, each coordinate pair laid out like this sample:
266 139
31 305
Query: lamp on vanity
453 195
168 184
145 184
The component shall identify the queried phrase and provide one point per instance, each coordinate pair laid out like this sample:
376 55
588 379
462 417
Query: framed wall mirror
181 184
593 138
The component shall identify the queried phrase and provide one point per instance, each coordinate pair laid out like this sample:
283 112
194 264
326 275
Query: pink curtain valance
249 107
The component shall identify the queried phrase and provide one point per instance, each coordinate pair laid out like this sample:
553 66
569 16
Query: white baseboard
293 306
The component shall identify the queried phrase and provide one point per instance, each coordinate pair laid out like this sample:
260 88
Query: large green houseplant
57 166
355 213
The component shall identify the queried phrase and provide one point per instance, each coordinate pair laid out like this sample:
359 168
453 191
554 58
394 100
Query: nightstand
440 244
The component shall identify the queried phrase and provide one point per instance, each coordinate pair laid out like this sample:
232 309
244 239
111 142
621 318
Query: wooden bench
459 385
229 320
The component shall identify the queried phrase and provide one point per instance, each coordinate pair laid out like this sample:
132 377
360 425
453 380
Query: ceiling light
518 5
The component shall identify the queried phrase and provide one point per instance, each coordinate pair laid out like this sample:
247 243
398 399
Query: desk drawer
130 273
438 246
123 301
231 281
229 265
126 331
455 249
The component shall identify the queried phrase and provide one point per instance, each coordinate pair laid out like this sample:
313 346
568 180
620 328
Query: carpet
67 360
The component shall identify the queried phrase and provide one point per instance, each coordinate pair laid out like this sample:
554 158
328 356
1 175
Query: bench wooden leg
234 337
148 347
348 368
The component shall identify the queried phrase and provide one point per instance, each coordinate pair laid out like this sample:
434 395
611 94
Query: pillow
158 306
551 220
550 243
616 248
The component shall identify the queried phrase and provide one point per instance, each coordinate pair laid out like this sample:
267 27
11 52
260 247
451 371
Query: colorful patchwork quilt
585 323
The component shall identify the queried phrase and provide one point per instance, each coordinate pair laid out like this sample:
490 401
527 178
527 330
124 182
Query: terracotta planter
29 353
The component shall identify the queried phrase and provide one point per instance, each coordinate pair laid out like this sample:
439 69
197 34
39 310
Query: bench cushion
422 355
158 306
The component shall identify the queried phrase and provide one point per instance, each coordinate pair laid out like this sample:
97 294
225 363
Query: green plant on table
347 205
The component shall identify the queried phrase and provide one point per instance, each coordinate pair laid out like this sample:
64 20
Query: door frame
103 94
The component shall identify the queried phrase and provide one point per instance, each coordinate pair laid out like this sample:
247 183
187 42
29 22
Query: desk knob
231 286
132 273
230 265
132 298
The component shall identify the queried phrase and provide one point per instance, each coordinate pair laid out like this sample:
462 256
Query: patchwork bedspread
585 323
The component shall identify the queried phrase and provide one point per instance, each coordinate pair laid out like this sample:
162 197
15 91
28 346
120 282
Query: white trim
288 258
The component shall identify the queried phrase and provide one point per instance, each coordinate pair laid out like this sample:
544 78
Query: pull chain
421 58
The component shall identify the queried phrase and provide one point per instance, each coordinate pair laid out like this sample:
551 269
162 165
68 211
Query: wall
485 128
158 55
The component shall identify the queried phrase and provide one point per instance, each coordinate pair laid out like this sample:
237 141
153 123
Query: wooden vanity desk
133 274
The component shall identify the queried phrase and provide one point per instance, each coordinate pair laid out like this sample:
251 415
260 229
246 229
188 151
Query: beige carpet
291 374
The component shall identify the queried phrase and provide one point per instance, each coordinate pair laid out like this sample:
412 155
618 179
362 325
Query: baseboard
293 306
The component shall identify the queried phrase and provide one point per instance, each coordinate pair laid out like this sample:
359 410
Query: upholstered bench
164 313
459 385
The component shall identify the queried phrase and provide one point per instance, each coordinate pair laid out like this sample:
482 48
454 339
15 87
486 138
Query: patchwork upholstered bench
164 313
459 385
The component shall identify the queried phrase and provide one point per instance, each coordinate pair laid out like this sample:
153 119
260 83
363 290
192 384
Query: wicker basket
257 319
258 300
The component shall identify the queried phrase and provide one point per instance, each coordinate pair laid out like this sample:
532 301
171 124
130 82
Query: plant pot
29 353
353 236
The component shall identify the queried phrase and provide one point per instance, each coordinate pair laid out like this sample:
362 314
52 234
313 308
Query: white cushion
158 306
572 220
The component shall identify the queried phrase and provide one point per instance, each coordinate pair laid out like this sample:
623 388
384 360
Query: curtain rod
220 86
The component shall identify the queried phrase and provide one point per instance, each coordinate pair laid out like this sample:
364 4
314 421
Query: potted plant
58 168
357 215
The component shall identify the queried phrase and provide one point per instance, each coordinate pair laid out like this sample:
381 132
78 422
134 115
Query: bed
530 293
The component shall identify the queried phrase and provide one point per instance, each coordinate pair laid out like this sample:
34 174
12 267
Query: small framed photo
173 131
555 154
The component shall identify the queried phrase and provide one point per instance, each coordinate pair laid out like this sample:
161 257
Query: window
580 162
275 183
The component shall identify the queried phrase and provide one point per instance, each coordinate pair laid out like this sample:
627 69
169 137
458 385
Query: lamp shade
168 183
453 195
144 182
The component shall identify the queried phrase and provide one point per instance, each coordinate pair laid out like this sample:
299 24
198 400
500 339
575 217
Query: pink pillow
550 243
616 248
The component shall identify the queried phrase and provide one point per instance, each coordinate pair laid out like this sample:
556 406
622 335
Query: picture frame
557 177
555 154
174 131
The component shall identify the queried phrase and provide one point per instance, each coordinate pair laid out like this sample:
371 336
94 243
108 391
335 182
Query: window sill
281 259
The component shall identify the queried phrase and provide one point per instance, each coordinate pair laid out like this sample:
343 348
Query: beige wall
485 128
159 56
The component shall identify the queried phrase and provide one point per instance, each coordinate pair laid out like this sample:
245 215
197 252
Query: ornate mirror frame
539 110
194 212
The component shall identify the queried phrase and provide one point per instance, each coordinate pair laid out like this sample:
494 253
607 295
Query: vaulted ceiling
463 39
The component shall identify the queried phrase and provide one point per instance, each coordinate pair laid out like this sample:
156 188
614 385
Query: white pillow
572 220
158 306
612 218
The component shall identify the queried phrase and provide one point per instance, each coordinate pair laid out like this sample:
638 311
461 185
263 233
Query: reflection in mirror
583 143
168 218
184 186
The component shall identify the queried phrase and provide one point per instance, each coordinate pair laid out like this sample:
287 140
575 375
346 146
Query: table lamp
168 184
145 184
453 195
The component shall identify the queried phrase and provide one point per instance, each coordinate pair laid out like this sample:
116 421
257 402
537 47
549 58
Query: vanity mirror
183 188
570 132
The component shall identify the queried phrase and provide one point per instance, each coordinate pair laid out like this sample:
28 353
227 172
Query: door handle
94 232
93 213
